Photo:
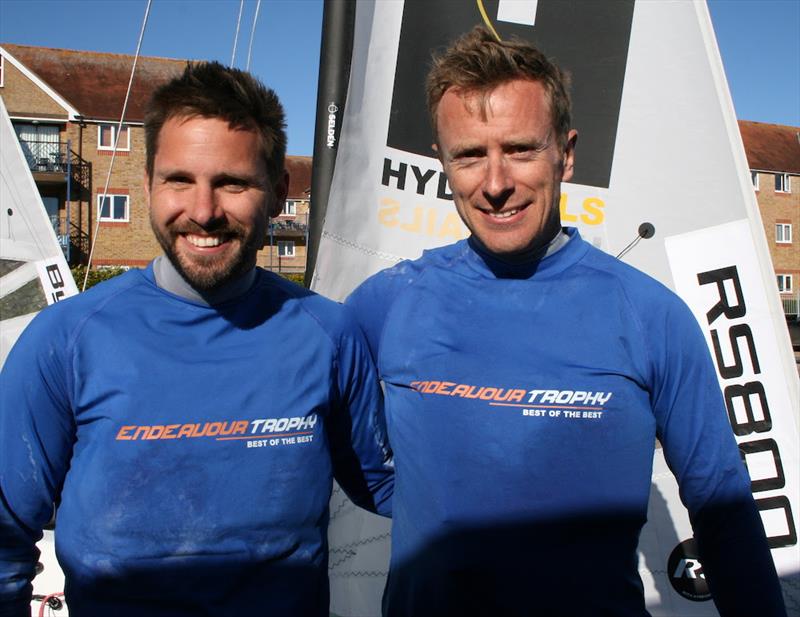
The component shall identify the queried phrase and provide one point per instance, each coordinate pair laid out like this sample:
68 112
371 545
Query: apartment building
773 155
286 245
65 106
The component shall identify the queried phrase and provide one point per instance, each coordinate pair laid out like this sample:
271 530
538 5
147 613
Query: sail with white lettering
660 171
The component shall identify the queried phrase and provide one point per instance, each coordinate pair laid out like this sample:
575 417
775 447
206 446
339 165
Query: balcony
791 306
55 162
289 225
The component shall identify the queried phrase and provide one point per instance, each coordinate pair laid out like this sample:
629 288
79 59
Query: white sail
659 144
33 271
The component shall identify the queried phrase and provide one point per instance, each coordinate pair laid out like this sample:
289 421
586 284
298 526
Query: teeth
503 215
204 241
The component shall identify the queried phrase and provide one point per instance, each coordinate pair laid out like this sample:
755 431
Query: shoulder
72 313
373 300
641 290
662 320
383 288
332 318
48 340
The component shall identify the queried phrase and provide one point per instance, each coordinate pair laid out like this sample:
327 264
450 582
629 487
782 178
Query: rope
116 143
488 21
236 36
252 35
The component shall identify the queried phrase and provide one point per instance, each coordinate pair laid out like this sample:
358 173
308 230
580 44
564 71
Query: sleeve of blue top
36 437
359 447
701 451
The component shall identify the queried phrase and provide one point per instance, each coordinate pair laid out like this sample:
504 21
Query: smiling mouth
204 241
503 214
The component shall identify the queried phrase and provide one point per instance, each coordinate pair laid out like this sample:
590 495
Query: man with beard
527 376
186 421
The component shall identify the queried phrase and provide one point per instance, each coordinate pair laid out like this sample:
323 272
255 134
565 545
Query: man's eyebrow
531 144
467 149
256 179
172 171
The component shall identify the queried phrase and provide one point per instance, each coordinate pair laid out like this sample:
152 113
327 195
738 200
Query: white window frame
783 233
113 196
123 146
785 283
785 182
754 179
284 247
289 208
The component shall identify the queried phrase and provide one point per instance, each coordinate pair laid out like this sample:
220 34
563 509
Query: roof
299 168
771 147
95 83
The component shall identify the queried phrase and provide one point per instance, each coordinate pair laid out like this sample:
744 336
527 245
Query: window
784 283
106 135
290 207
40 145
754 179
51 207
113 208
286 248
783 183
783 233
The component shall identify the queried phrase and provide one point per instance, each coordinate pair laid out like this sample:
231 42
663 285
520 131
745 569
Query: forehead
520 102
200 128
196 141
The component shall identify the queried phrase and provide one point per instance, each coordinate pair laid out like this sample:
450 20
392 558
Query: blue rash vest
523 405
190 449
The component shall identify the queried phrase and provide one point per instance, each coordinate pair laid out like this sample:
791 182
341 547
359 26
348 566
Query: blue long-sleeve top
523 403
189 449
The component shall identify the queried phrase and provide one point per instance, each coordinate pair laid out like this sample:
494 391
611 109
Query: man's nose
498 183
205 208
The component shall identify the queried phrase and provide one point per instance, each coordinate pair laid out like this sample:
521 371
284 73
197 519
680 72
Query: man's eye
469 154
468 158
178 180
523 151
233 185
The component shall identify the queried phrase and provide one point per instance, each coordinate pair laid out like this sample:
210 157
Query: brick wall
777 208
129 243
23 97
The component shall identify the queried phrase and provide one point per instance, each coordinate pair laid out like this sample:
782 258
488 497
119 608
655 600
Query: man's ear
568 161
280 190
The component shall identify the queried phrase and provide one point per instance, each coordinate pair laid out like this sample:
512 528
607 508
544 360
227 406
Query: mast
335 56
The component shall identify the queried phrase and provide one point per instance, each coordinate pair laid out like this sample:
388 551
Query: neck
169 279
529 256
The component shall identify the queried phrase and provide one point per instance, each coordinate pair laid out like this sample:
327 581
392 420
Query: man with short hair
187 420
527 376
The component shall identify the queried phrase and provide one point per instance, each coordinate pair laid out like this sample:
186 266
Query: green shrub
295 277
98 275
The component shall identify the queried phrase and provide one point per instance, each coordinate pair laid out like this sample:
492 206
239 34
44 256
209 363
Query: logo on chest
533 402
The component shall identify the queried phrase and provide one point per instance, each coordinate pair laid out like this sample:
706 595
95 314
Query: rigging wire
252 35
236 36
629 248
116 143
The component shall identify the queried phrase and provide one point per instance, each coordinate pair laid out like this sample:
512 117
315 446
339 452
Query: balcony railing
791 305
56 157
289 225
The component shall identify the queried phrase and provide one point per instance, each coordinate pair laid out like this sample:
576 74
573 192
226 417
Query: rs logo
689 568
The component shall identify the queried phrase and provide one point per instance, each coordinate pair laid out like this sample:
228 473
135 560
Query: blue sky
759 42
